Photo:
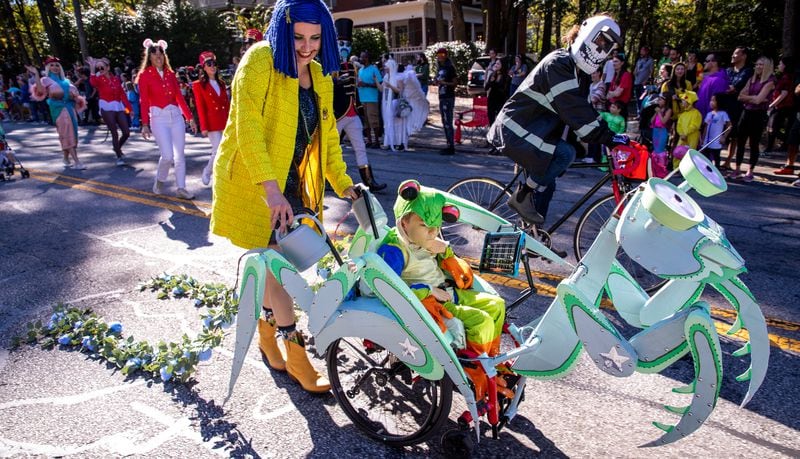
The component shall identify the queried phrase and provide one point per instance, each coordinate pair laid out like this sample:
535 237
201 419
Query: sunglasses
156 50
210 63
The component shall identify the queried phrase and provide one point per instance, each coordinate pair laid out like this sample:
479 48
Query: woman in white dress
413 93
395 136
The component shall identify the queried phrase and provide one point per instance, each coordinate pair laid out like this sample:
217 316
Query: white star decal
612 357
409 349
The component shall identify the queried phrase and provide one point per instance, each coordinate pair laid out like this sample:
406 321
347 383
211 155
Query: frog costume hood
427 203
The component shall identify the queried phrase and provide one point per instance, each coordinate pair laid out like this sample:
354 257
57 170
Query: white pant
354 129
169 130
215 137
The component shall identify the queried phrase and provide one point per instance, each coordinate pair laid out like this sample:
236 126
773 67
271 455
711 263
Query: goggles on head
606 40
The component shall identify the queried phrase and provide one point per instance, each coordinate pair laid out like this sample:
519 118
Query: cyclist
532 126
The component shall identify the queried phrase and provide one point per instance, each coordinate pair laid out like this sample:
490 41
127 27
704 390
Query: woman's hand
204 133
281 211
350 193
146 132
193 126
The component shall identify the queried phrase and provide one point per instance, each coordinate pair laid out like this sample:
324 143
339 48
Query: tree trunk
584 8
459 27
522 28
547 28
27 24
441 32
76 5
55 36
511 34
559 13
700 21
8 12
790 36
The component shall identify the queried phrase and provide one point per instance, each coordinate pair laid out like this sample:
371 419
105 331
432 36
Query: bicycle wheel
383 397
466 240
587 229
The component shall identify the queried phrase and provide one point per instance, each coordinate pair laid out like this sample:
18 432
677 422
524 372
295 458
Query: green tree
462 55
370 40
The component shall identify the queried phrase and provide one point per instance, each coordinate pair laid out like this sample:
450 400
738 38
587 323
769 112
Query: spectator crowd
721 103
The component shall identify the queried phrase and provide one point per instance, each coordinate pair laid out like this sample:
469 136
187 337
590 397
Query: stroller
8 161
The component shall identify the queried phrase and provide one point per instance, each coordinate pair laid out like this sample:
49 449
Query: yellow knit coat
258 145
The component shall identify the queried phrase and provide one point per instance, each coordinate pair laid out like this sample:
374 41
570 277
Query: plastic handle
297 218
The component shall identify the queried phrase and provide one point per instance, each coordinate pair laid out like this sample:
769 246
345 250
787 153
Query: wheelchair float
393 371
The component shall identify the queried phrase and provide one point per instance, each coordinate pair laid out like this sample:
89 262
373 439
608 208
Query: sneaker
79 166
733 175
785 170
121 162
588 160
206 177
748 177
522 202
183 194
158 187
67 163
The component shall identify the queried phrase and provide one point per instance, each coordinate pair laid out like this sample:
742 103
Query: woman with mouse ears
279 147
163 111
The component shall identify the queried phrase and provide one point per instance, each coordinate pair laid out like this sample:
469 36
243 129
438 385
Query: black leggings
113 121
751 127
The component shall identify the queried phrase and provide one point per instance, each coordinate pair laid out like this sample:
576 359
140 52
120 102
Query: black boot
368 179
522 202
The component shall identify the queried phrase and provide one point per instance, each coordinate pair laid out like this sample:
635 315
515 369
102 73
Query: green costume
482 314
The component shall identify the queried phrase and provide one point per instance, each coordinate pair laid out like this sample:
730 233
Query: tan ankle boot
268 345
300 369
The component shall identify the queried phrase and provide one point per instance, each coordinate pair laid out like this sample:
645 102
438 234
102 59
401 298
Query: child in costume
441 280
689 122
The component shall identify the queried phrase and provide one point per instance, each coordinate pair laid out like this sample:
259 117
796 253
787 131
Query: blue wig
280 34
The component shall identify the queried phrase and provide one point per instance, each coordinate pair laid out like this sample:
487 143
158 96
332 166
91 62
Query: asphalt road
88 237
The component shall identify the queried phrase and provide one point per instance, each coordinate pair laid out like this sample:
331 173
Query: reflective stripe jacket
532 121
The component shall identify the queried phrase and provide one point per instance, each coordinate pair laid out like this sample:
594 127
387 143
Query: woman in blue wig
279 147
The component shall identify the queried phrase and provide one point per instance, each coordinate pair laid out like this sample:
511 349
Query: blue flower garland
70 327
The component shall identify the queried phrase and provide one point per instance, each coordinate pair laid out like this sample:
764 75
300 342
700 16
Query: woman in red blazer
163 112
114 105
211 100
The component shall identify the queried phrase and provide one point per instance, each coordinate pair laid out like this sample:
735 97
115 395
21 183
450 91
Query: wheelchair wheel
466 240
383 397
587 229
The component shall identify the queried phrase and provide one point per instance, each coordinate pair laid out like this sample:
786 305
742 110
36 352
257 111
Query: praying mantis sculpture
392 368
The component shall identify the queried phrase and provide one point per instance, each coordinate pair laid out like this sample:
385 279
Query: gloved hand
456 327
620 139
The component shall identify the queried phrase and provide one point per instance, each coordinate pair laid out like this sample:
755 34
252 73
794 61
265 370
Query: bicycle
625 172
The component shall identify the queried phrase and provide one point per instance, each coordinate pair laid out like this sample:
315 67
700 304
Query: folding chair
475 121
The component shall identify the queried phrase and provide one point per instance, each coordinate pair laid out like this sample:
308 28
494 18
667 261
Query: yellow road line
126 197
93 186
125 189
